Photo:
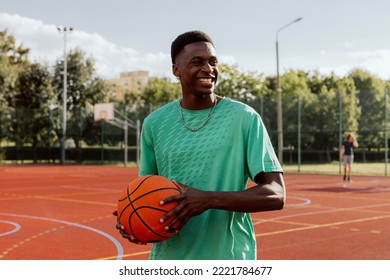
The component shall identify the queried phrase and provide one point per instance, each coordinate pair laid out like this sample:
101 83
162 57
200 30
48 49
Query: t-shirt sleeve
148 163
261 155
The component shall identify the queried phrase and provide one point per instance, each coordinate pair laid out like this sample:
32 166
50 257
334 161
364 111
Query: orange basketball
139 209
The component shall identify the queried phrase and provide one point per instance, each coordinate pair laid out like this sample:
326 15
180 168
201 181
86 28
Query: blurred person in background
346 155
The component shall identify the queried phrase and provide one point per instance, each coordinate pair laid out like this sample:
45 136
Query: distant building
133 81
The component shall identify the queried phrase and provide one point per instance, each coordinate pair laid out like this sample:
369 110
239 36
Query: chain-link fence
311 134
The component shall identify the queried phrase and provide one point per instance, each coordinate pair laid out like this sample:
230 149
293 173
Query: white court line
324 225
17 228
78 186
111 238
89 189
306 201
319 212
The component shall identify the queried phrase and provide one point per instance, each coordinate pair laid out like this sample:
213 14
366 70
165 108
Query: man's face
197 68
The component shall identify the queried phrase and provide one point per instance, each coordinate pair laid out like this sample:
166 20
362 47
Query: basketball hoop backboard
104 111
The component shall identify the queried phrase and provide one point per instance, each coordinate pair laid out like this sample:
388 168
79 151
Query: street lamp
279 95
65 30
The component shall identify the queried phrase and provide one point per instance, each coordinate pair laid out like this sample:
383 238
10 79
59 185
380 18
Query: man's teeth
205 80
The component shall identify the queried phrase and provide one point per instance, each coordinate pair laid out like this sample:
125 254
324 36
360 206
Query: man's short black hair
188 38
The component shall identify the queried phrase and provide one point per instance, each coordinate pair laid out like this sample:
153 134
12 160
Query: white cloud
369 55
342 63
377 62
228 59
340 70
349 44
46 45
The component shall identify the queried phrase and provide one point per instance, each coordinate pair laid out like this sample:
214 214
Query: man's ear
176 71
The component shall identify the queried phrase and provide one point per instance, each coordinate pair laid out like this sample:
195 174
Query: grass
371 169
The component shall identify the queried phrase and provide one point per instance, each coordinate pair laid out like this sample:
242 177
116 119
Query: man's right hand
124 234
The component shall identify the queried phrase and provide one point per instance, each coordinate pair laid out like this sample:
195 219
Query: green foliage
237 84
351 111
31 101
83 91
82 87
161 90
31 107
371 95
14 54
7 82
12 58
158 91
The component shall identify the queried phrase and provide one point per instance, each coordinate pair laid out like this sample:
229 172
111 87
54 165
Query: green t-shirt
233 147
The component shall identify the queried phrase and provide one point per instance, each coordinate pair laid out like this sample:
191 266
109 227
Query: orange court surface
65 213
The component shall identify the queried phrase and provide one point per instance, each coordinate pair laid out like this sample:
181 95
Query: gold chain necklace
203 124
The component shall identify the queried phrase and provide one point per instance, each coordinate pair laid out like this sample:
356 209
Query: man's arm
342 151
269 194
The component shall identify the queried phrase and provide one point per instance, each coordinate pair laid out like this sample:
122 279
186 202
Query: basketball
139 209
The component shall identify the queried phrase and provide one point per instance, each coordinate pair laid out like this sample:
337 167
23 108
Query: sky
127 35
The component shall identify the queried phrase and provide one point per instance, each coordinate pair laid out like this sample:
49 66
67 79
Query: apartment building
133 81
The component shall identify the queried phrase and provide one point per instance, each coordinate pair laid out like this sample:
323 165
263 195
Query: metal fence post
299 133
386 132
340 126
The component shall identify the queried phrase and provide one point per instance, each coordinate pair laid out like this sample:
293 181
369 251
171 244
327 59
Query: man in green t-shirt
211 146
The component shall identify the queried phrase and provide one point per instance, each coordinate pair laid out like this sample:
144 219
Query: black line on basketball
139 185
128 186
156 190
144 223
135 210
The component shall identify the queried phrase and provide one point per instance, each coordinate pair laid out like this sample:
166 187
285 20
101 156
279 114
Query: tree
321 115
14 54
351 109
157 92
294 86
13 57
239 85
245 86
318 97
83 91
7 83
371 101
161 90
31 122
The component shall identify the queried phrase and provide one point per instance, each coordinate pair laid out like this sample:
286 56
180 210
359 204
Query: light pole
65 30
279 96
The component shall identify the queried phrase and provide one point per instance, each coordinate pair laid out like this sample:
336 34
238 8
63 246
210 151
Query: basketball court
65 213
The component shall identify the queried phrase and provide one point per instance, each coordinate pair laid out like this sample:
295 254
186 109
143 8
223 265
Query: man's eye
197 62
213 62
